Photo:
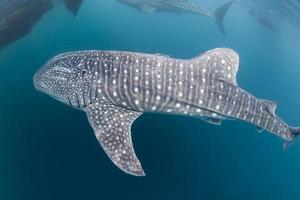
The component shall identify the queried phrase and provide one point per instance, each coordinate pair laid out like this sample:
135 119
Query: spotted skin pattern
114 88
180 7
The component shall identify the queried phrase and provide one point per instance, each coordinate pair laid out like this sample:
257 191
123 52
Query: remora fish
180 6
114 88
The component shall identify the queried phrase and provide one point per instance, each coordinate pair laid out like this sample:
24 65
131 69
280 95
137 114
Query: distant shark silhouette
180 6
73 5
17 18
265 23
114 88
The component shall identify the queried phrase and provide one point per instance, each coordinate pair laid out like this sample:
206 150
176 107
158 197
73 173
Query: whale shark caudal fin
112 126
219 15
296 132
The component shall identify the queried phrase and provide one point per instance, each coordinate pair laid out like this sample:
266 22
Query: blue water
48 150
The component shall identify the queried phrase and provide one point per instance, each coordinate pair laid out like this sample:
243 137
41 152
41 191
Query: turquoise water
48 150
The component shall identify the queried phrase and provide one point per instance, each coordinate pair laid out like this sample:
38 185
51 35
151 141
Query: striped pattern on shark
114 88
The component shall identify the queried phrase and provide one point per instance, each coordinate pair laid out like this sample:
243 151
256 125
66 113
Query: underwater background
48 150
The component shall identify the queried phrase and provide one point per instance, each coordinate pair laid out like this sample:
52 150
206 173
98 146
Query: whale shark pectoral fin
223 62
213 121
112 126
270 106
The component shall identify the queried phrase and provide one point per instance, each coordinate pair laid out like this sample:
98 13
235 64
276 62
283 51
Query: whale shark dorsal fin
112 126
223 62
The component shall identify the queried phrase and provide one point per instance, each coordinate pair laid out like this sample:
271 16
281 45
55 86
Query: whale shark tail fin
295 134
220 14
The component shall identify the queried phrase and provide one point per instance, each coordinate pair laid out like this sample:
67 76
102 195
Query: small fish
114 88
180 6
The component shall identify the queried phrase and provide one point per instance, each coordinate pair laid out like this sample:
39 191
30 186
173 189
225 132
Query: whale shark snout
52 79
38 80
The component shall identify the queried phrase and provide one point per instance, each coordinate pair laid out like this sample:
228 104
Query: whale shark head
53 79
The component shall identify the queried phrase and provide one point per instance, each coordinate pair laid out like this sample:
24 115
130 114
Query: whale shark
114 88
180 7
73 5
18 17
